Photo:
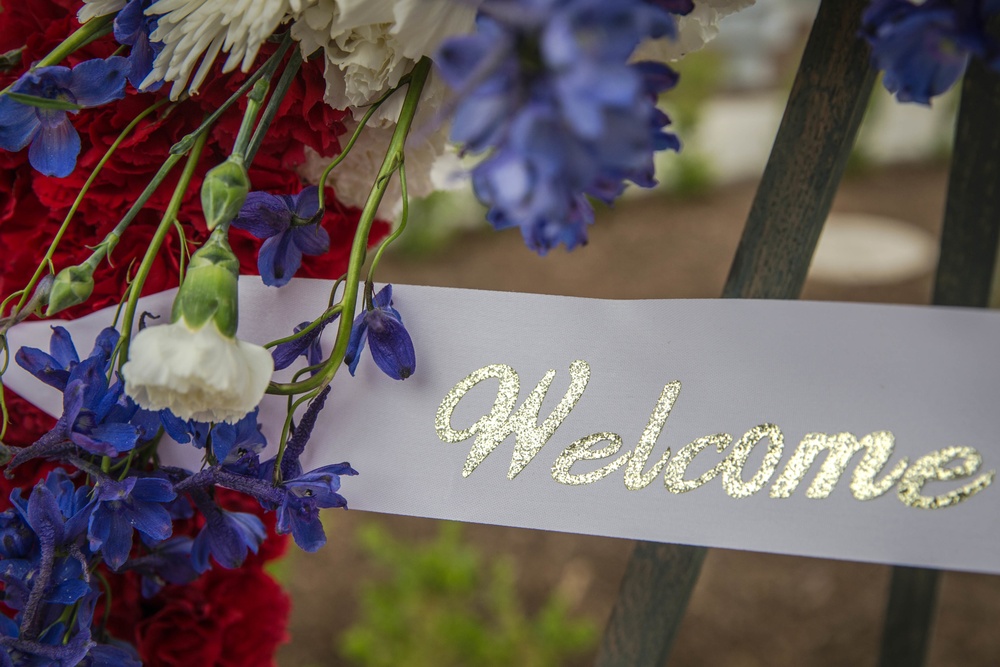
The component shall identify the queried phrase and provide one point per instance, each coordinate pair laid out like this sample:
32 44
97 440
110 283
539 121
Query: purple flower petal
54 149
18 124
96 82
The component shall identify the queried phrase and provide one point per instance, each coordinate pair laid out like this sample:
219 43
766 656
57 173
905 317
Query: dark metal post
817 132
965 277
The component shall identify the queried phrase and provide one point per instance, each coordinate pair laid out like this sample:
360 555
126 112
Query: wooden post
817 132
966 276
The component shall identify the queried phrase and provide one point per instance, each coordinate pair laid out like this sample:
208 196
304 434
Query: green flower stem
254 102
102 247
315 323
404 215
354 137
393 160
85 34
166 224
274 104
293 405
266 70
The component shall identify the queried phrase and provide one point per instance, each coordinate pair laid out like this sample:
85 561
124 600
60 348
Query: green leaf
43 102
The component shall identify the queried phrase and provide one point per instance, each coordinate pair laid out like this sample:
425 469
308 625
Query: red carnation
227 618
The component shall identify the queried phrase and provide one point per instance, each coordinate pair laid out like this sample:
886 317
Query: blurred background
403 591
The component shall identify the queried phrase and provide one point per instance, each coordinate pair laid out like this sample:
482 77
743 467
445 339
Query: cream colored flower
94 8
694 30
370 45
195 32
197 374
352 179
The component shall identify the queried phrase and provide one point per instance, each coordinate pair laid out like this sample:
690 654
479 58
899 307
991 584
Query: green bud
72 286
223 192
209 291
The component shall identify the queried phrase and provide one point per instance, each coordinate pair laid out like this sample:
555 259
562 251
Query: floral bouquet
159 144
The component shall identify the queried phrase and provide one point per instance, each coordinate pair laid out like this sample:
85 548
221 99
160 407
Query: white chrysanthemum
694 30
197 374
194 31
93 8
370 45
352 179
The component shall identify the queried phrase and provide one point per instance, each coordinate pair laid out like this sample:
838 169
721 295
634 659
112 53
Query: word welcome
868 481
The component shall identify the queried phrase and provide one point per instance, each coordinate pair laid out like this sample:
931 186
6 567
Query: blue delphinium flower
167 562
286 222
45 568
53 368
307 345
299 499
923 49
228 441
546 86
133 503
97 416
296 497
226 535
381 326
54 141
132 28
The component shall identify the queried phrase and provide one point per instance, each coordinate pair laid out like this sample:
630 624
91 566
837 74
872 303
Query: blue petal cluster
923 49
381 326
51 541
98 417
287 224
307 345
133 503
45 565
54 141
546 87
132 28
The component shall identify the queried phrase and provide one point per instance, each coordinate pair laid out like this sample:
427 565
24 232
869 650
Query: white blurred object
863 249
753 39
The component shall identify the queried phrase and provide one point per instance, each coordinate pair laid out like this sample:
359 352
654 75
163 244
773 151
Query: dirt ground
748 609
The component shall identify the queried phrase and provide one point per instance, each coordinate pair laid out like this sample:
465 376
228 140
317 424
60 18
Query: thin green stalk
166 224
283 443
274 104
267 69
254 102
393 160
357 133
85 34
47 259
333 310
403 217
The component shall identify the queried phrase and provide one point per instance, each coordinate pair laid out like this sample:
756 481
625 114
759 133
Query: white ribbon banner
834 430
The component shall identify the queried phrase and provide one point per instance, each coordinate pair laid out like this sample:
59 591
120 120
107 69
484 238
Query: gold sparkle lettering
732 470
933 467
582 450
673 477
842 447
494 428
634 477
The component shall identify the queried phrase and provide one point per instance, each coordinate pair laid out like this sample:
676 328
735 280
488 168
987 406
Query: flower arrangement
158 144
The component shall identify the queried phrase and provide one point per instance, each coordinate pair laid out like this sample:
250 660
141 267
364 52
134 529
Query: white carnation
352 179
194 31
694 30
370 45
93 8
197 374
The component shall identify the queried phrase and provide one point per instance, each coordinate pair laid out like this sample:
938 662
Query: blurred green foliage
689 173
443 605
